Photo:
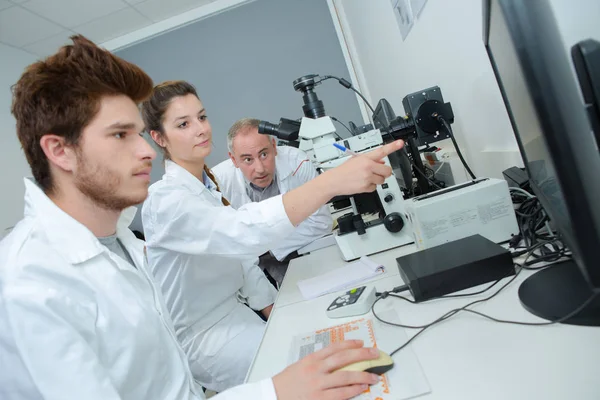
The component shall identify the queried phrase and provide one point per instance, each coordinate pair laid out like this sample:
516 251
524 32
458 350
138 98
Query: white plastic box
480 207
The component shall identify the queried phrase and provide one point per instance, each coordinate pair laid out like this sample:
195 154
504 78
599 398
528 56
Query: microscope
378 220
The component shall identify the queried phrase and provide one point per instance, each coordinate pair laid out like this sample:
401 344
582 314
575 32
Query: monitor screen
559 150
525 121
551 127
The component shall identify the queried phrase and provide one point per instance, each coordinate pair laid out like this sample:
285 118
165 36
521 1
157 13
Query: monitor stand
557 291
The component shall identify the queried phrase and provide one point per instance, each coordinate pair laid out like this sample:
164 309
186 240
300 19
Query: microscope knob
388 198
393 222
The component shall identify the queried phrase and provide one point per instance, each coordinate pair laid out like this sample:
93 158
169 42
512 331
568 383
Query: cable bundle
535 234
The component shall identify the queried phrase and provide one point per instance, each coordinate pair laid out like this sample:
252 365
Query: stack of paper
353 273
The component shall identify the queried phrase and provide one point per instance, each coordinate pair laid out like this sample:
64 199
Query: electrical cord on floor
446 125
466 308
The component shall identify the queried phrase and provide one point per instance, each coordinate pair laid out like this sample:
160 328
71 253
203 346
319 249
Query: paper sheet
404 16
417 7
405 381
341 278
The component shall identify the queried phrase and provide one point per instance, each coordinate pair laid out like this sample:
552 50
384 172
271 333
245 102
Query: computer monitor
586 59
558 148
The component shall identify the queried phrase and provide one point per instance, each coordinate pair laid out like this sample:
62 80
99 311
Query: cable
366 101
428 171
439 168
528 215
397 289
426 177
325 77
552 256
456 311
348 85
299 165
342 124
547 225
447 315
556 321
451 133
400 289
431 174
524 192
449 312
465 308
472 293
523 220
532 219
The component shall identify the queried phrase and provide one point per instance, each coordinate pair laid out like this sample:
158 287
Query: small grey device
354 302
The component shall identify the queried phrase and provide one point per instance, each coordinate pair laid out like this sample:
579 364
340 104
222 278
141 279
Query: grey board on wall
243 62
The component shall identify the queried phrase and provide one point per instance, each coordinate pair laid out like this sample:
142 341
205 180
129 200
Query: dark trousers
273 268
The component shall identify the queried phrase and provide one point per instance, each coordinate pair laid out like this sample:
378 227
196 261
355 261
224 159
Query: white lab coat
293 169
78 322
204 256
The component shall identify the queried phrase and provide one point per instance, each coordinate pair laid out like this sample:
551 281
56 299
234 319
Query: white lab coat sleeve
182 222
53 333
317 225
263 390
257 290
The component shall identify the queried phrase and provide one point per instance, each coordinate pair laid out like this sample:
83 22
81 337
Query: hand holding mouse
318 376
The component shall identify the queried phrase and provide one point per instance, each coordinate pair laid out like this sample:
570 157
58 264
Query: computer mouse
377 366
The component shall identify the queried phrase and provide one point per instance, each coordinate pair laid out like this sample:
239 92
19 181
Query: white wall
445 48
577 20
257 86
12 160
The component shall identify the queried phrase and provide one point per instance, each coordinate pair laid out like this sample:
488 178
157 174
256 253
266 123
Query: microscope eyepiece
267 128
286 130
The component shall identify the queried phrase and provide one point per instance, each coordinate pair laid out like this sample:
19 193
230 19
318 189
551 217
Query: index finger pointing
385 150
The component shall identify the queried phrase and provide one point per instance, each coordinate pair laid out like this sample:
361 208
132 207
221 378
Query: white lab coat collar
283 170
282 166
75 242
182 175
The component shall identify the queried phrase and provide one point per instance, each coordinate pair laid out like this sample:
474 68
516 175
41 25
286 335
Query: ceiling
40 27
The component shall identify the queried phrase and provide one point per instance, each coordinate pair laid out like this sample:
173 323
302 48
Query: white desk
466 357
329 259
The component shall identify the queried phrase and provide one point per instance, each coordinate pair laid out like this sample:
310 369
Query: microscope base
376 239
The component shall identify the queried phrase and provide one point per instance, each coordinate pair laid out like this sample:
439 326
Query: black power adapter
454 266
516 177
